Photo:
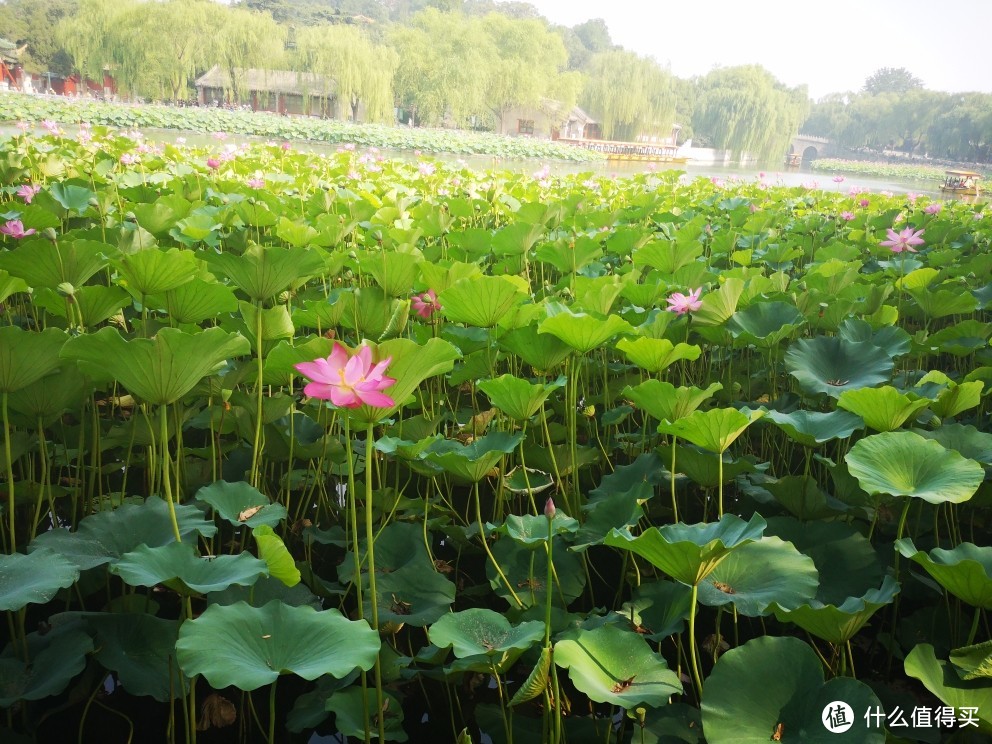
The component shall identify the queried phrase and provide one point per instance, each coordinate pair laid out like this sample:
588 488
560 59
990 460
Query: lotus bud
284 297
549 508
49 234
589 411
94 202
65 288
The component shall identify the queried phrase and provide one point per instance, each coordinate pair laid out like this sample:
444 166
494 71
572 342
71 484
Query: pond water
774 173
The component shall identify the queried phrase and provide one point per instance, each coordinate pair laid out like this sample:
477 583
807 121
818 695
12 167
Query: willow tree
631 95
247 39
746 110
362 71
444 70
95 36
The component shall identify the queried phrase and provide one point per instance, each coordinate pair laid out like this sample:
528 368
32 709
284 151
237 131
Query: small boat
961 183
649 152
793 160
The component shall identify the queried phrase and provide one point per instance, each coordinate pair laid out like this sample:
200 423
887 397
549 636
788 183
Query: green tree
93 37
30 22
247 39
746 110
631 95
891 80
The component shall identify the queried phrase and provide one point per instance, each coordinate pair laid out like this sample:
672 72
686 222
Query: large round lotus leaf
241 503
942 680
846 561
178 566
765 323
518 398
665 402
759 573
56 658
141 650
411 595
660 608
105 536
539 350
472 462
688 553
349 707
965 440
893 340
486 636
249 647
840 623
902 463
532 530
714 430
812 428
831 365
265 271
676 723
772 682
481 301
276 555
616 666
973 662
33 578
703 467
27 356
50 396
882 409
581 331
526 568
655 354
399 545
966 571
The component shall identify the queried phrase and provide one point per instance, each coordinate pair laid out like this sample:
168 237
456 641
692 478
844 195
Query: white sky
830 45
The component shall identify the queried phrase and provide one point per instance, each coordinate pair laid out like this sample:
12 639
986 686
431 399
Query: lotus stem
166 475
10 475
696 676
974 626
272 711
370 550
675 503
485 547
257 443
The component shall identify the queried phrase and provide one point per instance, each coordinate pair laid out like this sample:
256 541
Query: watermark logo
838 717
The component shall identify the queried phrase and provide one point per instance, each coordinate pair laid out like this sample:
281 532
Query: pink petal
319 390
354 372
344 398
375 398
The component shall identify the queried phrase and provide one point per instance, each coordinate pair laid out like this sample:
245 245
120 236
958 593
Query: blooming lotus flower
286 146
426 304
220 136
213 163
23 126
682 304
426 169
839 179
543 172
912 197
348 381
27 192
903 241
15 229
180 140
256 183
847 216
50 126
129 159
933 208
864 203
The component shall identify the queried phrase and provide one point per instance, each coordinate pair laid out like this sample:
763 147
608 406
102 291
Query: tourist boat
793 160
650 152
962 183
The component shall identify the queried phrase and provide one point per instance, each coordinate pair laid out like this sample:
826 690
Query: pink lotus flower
213 163
256 183
903 241
180 140
543 172
912 197
286 146
682 304
27 192
426 304
847 216
220 136
348 381
50 126
15 229
23 126
426 169
864 203
933 208
839 179
129 159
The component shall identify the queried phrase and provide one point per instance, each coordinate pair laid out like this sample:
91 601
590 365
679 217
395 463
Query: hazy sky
831 45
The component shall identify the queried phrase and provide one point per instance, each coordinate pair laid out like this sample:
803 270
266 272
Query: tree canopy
892 80
632 95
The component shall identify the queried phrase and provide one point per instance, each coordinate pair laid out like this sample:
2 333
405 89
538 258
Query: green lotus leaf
891 339
159 370
399 545
178 566
273 551
48 398
655 354
965 440
759 573
56 658
472 462
394 271
776 684
540 350
525 566
942 680
614 510
958 398
44 263
518 398
667 256
721 304
105 536
532 530
812 428
159 216
269 323
33 578
839 623
198 300
905 464
281 359
350 707
140 649
413 595
961 339
581 331
965 571
714 430
537 681
241 504
249 647
262 272
765 324
485 635
689 553
675 723
28 356
616 666
91 304
704 467
10 285
661 608
665 402
831 365
884 408
70 197
482 301
152 271
527 480
973 662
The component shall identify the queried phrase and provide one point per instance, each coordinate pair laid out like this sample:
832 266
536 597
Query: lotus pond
325 448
